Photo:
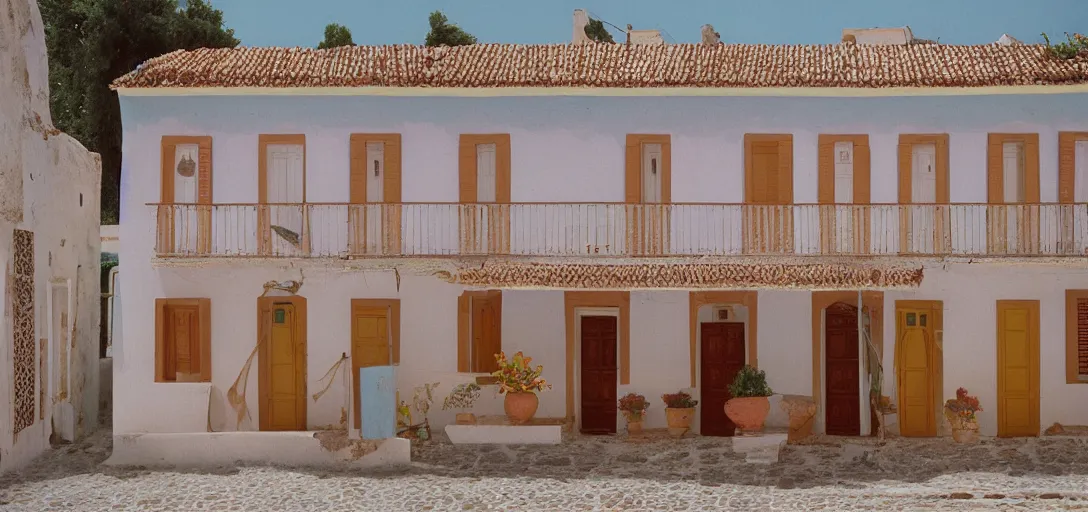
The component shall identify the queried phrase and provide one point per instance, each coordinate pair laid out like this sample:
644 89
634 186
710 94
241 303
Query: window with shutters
647 192
185 195
1012 193
843 191
374 216
1076 336
183 340
484 183
479 336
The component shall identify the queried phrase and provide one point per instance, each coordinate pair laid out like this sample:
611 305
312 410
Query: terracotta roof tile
686 276
611 65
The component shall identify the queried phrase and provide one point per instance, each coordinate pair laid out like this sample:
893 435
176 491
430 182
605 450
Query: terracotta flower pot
520 407
748 413
466 418
679 420
634 423
963 430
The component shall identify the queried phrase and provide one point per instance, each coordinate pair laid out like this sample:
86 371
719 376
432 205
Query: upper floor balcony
618 230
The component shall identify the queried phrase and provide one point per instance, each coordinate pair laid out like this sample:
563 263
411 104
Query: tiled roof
612 65
687 276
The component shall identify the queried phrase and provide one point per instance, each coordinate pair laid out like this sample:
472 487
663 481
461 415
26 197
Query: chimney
629 27
581 21
710 37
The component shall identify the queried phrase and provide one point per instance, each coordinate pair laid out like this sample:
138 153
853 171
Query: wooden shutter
204 179
1067 166
825 186
486 332
393 174
862 170
905 170
632 182
167 188
941 144
357 179
464 317
466 163
502 167
204 166
785 170
995 180
1031 168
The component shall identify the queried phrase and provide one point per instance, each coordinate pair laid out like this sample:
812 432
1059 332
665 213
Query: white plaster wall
49 184
970 292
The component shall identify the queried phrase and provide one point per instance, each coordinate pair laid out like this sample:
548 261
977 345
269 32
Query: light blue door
378 402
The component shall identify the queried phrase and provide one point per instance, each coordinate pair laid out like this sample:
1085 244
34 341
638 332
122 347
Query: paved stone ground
589 474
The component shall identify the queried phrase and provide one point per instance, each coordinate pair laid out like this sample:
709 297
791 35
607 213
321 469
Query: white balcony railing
619 230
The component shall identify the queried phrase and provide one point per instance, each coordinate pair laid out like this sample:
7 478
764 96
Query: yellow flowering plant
517 376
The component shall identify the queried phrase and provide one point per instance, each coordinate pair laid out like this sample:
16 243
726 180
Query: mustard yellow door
1017 368
283 369
370 344
915 372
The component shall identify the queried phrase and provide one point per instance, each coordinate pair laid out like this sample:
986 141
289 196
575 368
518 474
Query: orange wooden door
182 343
284 370
722 356
599 373
370 345
1017 368
768 219
915 373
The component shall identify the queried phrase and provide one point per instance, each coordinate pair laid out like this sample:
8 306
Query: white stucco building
49 252
640 218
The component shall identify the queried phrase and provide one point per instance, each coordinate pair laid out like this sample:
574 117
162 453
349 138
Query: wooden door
915 373
283 369
842 412
1017 368
768 189
722 355
599 375
370 345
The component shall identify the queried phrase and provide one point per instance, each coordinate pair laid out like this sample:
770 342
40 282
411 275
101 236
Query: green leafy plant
462 397
750 382
1073 46
634 405
679 400
444 33
517 376
335 35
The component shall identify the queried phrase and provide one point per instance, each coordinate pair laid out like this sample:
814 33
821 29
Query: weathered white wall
49 184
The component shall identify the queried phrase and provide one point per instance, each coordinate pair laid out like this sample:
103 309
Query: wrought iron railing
618 230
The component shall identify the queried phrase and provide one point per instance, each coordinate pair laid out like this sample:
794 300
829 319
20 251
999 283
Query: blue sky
302 22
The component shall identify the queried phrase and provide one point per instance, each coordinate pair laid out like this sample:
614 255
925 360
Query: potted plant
520 383
463 397
679 412
960 412
633 406
749 406
422 399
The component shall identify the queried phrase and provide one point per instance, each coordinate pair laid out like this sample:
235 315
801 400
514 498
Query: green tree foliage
443 33
336 35
596 31
92 42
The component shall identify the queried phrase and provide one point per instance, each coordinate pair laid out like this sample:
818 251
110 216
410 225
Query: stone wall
49 193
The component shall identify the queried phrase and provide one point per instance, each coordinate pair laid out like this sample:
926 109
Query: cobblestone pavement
589 474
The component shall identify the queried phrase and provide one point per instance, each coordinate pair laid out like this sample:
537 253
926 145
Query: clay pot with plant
960 412
520 382
750 404
633 406
462 398
679 412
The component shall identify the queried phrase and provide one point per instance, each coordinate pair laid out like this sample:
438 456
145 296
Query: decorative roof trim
686 276
504 92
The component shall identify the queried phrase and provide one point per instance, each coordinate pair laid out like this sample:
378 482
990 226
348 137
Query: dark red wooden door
722 354
843 410
598 375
